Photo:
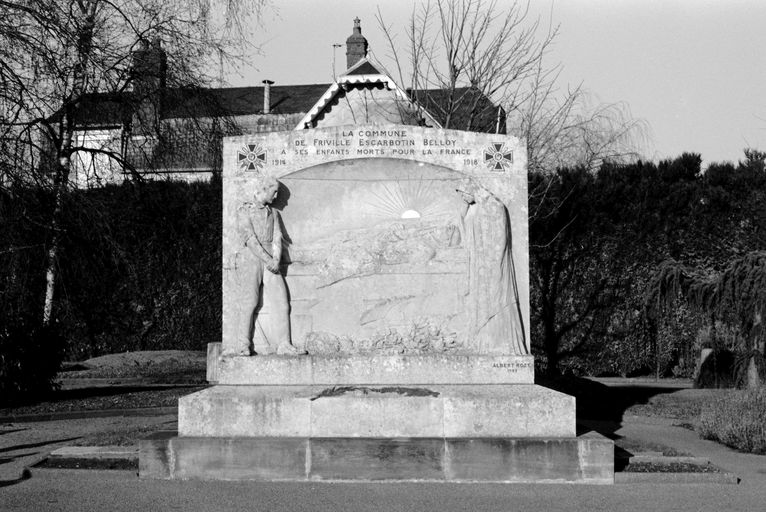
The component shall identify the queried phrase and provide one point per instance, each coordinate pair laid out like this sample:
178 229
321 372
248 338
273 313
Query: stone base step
586 459
435 411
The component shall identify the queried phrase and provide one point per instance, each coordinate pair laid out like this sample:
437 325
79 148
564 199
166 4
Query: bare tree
570 129
56 55
463 52
459 51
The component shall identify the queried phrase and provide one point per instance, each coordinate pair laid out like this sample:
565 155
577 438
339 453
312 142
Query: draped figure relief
492 302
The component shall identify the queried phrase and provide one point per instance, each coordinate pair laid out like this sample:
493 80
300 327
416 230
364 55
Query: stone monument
376 318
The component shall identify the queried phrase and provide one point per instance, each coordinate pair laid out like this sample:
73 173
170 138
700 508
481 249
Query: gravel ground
635 446
669 467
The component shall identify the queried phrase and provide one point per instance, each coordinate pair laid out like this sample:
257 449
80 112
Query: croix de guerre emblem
497 157
251 157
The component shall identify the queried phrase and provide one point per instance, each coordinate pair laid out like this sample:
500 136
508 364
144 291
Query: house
175 132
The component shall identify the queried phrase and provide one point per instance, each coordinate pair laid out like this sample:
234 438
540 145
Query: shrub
718 370
738 420
30 357
140 268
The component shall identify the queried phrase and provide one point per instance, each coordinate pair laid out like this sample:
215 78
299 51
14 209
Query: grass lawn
103 398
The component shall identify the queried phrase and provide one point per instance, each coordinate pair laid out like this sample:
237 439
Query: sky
693 70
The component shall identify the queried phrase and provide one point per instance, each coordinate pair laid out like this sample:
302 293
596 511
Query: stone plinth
400 370
585 459
518 410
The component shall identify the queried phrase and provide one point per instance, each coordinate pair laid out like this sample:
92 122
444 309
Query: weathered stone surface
213 356
282 458
363 411
153 455
509 411
596 454
380 255
376 369
521 410
377 459
245 411
587 459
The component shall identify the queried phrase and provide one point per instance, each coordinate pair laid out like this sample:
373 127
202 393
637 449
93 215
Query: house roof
114 109
467 107
101 109
237 101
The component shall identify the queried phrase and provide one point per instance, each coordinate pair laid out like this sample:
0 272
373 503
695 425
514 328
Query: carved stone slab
381 253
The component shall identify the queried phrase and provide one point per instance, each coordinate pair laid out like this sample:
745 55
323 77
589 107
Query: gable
365 95
363 67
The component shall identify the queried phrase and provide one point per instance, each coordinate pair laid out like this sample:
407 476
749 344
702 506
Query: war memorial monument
376 318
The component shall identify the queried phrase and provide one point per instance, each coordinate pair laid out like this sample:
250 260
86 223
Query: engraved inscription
513 366
379 143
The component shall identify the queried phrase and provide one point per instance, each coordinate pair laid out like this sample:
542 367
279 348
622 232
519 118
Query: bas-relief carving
408 245
493 305
263 319
420 337
473 240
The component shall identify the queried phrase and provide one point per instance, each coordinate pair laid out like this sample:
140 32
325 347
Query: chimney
150 64
356 46
267 96
149 69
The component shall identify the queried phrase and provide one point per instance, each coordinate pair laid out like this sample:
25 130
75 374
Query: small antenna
220 68
334 47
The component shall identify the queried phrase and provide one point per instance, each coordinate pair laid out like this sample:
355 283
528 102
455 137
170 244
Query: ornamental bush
737 420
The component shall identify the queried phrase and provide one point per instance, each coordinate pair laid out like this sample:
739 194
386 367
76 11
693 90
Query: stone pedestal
460 418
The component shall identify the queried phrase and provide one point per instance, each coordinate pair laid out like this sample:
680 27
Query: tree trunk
61 182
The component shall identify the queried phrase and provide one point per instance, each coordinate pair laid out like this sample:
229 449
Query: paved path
24 444
84 491
751 469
